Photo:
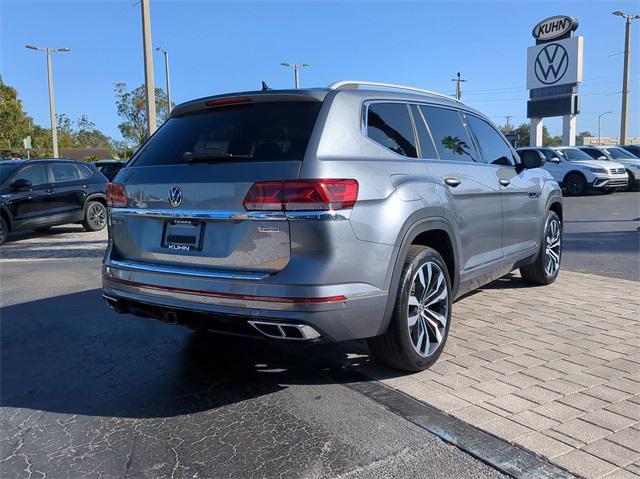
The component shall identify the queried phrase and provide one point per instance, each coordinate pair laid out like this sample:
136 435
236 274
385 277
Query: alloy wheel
428 309
553 247
97 216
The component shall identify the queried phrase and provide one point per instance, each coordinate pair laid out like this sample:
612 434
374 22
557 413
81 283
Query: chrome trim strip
324 215
153 268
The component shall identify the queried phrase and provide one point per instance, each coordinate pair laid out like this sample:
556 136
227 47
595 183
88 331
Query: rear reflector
229 101
302 195
246 297
116 196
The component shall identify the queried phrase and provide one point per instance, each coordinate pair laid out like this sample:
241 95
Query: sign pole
569 130
535 132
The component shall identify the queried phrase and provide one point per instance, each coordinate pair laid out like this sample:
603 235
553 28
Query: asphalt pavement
602 235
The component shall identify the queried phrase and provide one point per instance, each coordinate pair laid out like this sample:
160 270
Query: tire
575 184
631 186
95 216
545 270
397 346
4 230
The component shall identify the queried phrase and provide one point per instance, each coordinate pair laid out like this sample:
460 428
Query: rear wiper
204 157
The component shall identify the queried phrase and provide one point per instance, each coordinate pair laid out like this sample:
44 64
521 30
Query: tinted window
619 153
529 154
550 154
389 124
493 148
85 171
36 174
573 154
65 172
449 134
269 131
591 152
427 148
6 171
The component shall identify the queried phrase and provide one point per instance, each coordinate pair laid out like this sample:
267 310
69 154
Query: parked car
635 149
38 194
576 171
327 215
614 153
109 168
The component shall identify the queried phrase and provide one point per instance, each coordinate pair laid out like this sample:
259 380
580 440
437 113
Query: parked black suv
109 168
37 194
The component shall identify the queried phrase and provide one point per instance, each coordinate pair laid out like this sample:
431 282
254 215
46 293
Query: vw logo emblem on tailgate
175 196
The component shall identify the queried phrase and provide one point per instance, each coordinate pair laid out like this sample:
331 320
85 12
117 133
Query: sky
218 47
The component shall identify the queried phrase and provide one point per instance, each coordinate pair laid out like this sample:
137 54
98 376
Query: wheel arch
573 172
100 197
435 233
6 216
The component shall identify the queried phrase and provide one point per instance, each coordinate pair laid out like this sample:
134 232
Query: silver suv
326 215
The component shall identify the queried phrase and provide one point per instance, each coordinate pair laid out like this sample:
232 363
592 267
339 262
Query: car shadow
71 354
52 232
619 242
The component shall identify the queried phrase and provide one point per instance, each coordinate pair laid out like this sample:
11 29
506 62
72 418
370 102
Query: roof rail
352 84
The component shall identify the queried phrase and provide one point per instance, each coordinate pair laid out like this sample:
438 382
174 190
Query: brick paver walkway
554 369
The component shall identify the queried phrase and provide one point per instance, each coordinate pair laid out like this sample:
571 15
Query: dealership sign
554 27
555 63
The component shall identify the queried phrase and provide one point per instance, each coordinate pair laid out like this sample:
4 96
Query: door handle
85 186
505 182
453 182
49 191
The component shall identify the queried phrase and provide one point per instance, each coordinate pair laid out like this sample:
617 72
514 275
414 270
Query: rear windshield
265 131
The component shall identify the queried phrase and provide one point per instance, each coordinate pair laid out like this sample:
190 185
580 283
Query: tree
522 133
581 135
131 107
14 122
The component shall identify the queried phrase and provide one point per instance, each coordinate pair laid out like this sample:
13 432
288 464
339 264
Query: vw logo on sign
175 196
551 64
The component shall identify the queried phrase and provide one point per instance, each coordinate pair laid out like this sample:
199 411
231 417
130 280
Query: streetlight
296 74
625 75
52 104
599 117
166 73
150 92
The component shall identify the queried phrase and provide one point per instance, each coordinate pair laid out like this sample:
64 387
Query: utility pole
166 73
599 117
152 124
296 74
52 102
459 82
508 125
625 75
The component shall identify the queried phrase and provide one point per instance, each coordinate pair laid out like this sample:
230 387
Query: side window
591 152
550 155
427 148
389 125
36 174
65 172
85 171
449 134
526 154
493 148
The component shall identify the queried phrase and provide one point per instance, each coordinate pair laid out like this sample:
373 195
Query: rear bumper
337 312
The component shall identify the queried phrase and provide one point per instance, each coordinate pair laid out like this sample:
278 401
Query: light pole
625 75
148 67
52 103
599 117
296 74
166 73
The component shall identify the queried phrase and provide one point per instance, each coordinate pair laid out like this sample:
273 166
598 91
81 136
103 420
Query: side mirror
21 184
602 158
555 159
533 161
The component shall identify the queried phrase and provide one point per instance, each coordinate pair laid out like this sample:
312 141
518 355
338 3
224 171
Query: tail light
115 195
302 195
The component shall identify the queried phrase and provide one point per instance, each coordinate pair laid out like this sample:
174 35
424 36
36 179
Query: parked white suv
577 172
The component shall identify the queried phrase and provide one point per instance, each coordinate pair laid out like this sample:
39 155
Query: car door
520 188
70 188
34 204
472 189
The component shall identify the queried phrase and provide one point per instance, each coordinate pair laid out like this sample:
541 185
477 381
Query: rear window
264 131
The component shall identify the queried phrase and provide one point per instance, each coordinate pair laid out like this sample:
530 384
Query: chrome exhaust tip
290 332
